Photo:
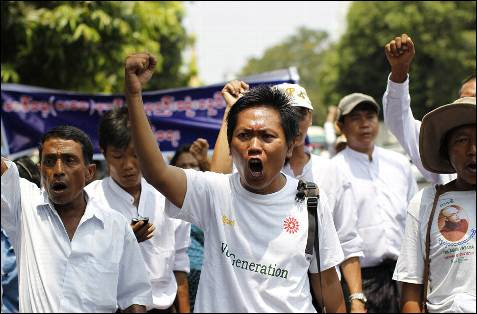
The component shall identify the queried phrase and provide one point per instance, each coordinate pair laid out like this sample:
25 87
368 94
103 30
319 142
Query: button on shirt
99 269
383 187
166 251
400 121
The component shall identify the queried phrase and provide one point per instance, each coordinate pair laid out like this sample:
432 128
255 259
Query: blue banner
177 116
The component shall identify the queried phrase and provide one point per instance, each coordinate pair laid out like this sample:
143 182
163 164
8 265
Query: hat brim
435 126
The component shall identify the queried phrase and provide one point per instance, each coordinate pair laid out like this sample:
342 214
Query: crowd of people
264 225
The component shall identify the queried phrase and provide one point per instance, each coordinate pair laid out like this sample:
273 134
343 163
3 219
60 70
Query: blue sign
177 117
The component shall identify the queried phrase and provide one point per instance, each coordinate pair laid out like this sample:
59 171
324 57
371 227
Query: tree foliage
81 45
444 36
303 50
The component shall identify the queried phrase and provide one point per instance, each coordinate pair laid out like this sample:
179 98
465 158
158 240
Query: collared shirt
166 251
329 178
383 187
400 121
99 269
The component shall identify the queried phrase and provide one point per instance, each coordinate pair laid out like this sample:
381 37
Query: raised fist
400 51
138 69
233 90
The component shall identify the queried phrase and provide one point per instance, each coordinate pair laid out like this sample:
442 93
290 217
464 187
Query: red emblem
291 225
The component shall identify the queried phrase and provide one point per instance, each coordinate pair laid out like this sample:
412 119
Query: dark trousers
380 289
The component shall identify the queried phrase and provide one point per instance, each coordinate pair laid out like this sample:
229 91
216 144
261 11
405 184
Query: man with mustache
74 254
255 231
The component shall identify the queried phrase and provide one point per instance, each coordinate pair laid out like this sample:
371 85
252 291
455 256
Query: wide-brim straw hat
435 126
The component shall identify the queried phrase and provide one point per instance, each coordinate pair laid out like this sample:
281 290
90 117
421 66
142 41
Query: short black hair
268 96
114 129
69 132
183 149
27 169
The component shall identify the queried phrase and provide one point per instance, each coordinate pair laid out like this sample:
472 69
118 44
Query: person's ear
90 172
290 149
340 126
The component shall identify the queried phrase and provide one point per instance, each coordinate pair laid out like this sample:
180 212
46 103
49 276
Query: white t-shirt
452 249
337 186
166 251
254 250
99 268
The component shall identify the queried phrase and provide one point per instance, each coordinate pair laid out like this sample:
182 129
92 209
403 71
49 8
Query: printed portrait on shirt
453 223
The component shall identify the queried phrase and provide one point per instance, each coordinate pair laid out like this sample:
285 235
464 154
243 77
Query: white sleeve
11 200
182 243
331 253
134 285
197 207
399 119
410 264
345 218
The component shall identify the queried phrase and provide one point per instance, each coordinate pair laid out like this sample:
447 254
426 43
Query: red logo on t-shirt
291 225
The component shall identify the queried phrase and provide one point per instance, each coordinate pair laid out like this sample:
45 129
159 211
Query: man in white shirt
255 230
74 254
126 191
383 184
397 103
445 263
309 167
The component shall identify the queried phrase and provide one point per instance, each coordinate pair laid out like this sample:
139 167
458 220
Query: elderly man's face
461 146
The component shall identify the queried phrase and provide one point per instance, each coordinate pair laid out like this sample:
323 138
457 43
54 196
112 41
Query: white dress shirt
400 121
100 267
382 189
166 251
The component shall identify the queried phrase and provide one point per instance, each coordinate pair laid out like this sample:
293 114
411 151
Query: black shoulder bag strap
310 191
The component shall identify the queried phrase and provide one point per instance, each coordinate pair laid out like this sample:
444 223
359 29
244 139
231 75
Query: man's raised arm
169 180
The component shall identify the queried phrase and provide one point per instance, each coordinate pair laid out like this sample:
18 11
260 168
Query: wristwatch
358 296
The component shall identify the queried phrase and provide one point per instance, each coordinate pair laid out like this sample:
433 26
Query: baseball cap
297 94
349 102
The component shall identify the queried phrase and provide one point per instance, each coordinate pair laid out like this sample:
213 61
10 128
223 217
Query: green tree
81 45
442 31
304 50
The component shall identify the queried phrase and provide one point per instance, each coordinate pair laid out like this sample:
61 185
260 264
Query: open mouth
256 167
471 167
58 186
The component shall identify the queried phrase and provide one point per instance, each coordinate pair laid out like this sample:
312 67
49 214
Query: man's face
461 146
187 161
259 149
123 166
360 127
63 170
468 89
304 124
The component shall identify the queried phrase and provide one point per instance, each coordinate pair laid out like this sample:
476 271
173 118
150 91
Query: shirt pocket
102 283
160 264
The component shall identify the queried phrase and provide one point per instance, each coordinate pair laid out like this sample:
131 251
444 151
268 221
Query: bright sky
229 32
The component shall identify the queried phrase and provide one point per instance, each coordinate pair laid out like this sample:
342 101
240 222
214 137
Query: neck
299 159
462 185
365 150
76 207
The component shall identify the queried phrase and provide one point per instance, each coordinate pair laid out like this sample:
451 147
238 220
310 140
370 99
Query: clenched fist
199 150
233 90
138 70
400 51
